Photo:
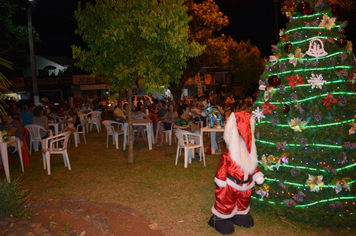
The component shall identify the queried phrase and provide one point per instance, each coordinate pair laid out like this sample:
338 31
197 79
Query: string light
313 59
312 169
305 185
310 28
309 16
309 144
309 69
310 204
310 126
309 98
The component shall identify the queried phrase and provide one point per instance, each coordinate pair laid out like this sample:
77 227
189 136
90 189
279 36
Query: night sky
249 19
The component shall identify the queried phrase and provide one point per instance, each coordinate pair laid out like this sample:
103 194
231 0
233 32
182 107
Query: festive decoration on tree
297 125
299 197
262 191
303 7
274 81
295 80
328 100
282 67
288 47
343 26
281 146
266 89
315 182
298 36
258 113
297 57
352 130
327 22
274 121
268 108
316 109
295 172
286 108
289 202
341 42
317 116
293 97
316 48
281 89
342 184
303 142
342 101
316 81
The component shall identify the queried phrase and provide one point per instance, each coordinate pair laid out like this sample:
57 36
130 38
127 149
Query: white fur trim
234 212
258 178
222 216
243 212
220 183
244 187
237 147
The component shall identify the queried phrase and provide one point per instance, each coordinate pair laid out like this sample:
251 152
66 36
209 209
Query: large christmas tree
305 133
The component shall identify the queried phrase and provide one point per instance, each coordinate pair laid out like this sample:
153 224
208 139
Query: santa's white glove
258 178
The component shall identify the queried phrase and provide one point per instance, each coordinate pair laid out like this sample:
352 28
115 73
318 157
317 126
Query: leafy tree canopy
14 38
131 39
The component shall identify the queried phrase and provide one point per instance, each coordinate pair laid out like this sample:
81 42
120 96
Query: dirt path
85 217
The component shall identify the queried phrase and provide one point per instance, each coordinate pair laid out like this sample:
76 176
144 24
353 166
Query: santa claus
236 175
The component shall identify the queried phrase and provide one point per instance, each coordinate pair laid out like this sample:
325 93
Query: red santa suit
237 171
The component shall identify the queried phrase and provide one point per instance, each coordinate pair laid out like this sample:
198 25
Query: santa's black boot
243 220
223 226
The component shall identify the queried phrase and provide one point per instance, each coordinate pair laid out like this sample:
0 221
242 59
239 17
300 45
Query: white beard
237 147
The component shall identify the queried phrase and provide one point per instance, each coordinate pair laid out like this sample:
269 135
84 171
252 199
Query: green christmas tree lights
305 130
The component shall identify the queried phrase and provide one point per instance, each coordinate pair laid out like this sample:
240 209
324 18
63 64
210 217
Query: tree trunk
131 157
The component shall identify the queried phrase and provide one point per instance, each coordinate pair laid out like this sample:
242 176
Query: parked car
106 103
139 98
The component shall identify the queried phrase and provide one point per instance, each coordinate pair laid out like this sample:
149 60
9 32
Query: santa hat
240 140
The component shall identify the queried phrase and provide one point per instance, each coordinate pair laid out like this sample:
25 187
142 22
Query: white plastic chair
76 134
167 133
110 129
186 142
94 118
35 135
84 121
55 145
200 122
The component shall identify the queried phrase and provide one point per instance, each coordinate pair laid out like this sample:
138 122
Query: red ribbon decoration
268 108
328 100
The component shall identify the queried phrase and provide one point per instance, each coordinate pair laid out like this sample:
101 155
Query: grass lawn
177 199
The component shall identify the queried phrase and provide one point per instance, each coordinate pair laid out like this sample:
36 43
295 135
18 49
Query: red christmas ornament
287 47
286 109
335 9
341 42
274 81
289 3
303 7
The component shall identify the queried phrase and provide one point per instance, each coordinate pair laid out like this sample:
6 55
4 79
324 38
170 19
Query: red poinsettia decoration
328 100
268 108
352 81
295 80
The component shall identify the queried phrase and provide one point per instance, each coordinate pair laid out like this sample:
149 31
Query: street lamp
32 55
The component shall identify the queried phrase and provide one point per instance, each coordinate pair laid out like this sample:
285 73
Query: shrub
12 198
